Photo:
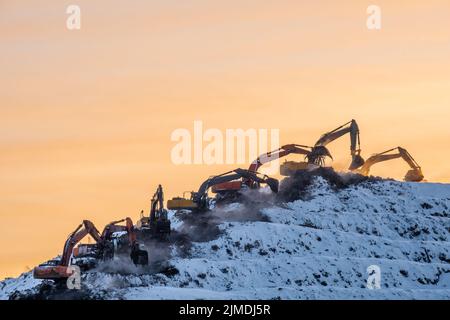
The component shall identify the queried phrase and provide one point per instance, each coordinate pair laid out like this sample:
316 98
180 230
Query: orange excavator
236 185
60 269
137 255
199 200
414 174
157 224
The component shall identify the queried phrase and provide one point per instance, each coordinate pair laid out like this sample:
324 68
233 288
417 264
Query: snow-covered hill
317 247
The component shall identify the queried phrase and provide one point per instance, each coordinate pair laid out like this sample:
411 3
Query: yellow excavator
414 174
316 158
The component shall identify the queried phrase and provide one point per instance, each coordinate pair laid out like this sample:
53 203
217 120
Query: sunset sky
86 115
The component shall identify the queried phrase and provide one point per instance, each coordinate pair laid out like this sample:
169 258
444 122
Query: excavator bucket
414 175
318 154
273 184
357 161
139 256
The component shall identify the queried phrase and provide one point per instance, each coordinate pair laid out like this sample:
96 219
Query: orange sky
86 116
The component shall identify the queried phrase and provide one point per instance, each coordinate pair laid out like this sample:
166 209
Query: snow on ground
316 248
24 282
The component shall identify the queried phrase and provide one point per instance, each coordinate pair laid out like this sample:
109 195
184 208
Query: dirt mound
51 291
297 187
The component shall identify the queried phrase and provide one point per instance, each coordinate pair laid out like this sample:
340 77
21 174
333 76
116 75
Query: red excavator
60 269
414 174
223 189
199 200
157 224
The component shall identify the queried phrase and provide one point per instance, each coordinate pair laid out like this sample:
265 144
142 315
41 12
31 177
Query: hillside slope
316 247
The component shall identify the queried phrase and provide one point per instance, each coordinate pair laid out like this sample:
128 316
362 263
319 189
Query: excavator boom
278 153
319 151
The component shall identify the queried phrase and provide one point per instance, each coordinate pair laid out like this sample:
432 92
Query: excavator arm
157 203
84 229
131 231
137 255
414 174
320 151
279 153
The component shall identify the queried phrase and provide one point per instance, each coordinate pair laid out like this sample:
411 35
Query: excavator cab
182 203
289 168
196 202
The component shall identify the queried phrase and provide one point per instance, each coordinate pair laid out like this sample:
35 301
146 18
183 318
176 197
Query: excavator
232 186
112 240
60 269
199 201
319 152
156 225
414 174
